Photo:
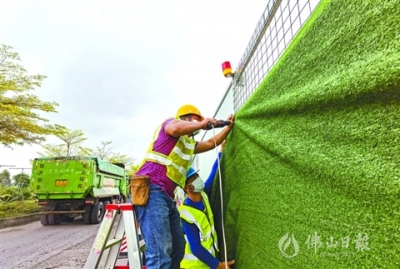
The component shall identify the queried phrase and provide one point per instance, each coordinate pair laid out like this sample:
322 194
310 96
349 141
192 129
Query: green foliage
19 208
314 151
5 178
19 123
15 193
72 144
21 180
27 193
10 190
132 169
15 202
105 153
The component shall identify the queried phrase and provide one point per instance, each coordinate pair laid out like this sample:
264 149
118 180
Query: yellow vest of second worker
178 161
208 236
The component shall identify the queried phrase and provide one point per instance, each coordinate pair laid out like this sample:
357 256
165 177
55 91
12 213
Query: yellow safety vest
178 161
208 236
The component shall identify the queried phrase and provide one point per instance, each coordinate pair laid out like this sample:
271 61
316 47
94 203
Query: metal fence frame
279 23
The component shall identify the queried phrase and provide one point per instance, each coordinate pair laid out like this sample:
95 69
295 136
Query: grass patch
312 164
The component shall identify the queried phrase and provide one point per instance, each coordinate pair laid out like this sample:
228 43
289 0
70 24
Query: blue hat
191 172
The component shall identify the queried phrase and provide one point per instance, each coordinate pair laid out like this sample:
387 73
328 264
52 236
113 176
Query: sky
117 69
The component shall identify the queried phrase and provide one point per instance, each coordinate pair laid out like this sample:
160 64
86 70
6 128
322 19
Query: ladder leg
101 239
114 249
134 257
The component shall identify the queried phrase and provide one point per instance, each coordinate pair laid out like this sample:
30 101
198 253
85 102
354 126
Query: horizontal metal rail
61 212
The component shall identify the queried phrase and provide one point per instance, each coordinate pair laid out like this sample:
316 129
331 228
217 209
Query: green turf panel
311 169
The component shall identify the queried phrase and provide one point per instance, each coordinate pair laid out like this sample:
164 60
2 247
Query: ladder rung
112 242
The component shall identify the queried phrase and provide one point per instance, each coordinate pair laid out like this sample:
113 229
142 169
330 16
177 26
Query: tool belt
140 187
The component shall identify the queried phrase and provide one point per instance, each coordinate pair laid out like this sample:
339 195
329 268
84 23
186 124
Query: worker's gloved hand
225 265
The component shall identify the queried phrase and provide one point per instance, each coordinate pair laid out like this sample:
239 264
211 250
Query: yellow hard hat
188 109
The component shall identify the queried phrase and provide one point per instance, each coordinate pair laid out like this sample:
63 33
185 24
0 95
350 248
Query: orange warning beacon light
227 69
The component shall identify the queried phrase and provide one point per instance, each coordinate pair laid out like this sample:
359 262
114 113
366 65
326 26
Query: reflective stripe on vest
158 158
178 161
191 219
179 152
204 221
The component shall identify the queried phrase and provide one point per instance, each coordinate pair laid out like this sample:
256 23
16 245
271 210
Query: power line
22 168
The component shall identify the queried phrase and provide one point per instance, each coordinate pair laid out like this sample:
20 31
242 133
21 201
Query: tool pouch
140 186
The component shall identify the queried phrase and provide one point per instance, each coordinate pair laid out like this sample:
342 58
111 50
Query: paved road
64 246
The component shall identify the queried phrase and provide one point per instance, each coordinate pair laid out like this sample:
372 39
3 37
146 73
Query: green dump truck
68 187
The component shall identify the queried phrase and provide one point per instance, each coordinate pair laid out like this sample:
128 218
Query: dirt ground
64 246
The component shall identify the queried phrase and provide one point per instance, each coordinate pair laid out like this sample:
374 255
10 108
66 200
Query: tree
107 154
131 170
5 178
71 146
120 158
19 122
21 180
103 152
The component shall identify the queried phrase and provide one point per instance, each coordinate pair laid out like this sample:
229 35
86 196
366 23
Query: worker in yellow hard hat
165 165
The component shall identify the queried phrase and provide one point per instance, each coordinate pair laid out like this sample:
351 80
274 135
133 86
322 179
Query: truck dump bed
75 178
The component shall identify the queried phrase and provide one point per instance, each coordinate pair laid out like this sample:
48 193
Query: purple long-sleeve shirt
158 172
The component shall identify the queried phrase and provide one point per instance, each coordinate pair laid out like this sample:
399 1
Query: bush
19 208
15 193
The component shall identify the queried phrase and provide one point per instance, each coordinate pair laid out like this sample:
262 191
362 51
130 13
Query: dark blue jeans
161 229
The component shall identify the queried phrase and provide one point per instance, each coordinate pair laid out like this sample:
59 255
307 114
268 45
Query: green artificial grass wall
311 169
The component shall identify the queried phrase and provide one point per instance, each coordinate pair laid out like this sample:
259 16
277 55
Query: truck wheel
105 203
54 219
86 217
97 213
43 220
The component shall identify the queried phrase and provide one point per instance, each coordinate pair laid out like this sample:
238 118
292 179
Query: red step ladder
126 230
